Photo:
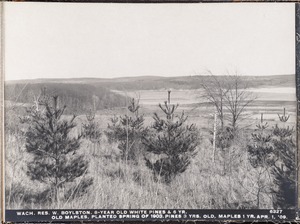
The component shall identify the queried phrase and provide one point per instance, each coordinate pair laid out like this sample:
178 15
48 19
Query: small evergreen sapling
91 130
284 169
223 138
55 160
128 131
261 150
261 157
173 141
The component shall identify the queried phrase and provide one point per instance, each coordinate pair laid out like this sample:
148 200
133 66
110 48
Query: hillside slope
158 82
78 98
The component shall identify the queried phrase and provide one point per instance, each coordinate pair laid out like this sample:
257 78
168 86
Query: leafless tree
237 98
230 96
215 92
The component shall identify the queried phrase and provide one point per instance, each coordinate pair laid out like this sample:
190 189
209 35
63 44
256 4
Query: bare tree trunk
258 198
221 113
214 139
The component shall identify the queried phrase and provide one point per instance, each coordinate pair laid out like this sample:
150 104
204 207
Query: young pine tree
260 149
173 141
128 131
260 155
55 160
284 169
91 130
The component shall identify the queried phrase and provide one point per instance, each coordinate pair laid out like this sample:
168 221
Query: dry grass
228 182
120 184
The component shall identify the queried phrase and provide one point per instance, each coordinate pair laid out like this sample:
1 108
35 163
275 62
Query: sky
69 40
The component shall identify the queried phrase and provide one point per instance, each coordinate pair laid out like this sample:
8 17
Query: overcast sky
63 40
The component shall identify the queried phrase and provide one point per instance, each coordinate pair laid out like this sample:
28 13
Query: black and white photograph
150 106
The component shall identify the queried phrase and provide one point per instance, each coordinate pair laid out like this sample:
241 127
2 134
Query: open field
214 179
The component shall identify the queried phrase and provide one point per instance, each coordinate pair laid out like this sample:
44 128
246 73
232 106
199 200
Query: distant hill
157 82
78 98
79 94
